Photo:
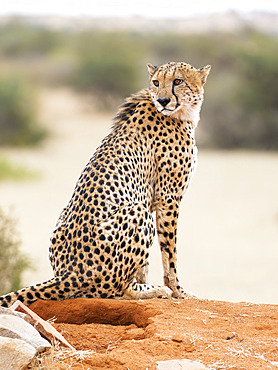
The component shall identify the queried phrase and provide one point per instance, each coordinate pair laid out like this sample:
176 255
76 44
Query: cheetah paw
165 292
183 294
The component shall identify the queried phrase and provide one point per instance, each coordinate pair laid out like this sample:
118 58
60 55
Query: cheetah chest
176 162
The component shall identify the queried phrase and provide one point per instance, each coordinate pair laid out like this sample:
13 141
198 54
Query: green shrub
107 66
259 97
19 39
241 106
18 124
12 261
10 171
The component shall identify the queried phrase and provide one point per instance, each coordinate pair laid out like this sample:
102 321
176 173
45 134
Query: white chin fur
184 113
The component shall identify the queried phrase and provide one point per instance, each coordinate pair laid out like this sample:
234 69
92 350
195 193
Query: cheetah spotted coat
100 246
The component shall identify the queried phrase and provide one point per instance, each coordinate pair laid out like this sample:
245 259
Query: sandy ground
228 227
113 334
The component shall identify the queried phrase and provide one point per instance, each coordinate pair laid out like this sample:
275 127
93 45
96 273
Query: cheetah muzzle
100 246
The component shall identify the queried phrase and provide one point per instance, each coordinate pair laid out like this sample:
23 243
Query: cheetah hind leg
145 291
133 224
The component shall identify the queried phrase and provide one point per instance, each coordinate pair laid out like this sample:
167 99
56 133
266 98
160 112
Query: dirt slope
111 334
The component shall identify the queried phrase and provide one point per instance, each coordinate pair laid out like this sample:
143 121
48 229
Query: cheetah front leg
142 274
166 222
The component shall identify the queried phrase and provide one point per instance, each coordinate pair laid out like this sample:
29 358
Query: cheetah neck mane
185 113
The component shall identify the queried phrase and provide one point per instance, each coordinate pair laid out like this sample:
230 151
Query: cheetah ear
204 72
151 69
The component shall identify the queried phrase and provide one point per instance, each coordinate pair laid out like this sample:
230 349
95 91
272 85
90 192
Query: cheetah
100 245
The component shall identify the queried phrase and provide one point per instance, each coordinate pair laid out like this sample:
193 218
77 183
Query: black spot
20 298
86 248
8 298
130 232
30 295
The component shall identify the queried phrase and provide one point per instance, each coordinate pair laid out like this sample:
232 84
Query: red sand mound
135 334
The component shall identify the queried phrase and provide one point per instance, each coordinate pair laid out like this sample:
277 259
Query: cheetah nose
163 101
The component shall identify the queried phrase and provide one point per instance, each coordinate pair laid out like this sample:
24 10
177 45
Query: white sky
147 8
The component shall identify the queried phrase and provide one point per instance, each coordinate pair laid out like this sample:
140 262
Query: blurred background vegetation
13 262
241 104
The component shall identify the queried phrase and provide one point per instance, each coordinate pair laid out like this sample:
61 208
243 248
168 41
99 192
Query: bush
19 39
240 109
18 124
10 171
259 62
107 66
12 261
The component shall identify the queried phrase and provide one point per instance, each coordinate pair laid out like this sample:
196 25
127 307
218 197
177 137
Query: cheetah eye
177 81
156 83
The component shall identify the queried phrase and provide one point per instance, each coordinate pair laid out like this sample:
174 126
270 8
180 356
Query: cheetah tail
53 289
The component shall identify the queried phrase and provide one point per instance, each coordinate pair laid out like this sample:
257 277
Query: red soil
136 334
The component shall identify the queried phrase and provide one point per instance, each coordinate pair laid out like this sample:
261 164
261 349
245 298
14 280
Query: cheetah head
177 90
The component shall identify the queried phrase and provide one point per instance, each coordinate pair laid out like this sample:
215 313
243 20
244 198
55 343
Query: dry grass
46 360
